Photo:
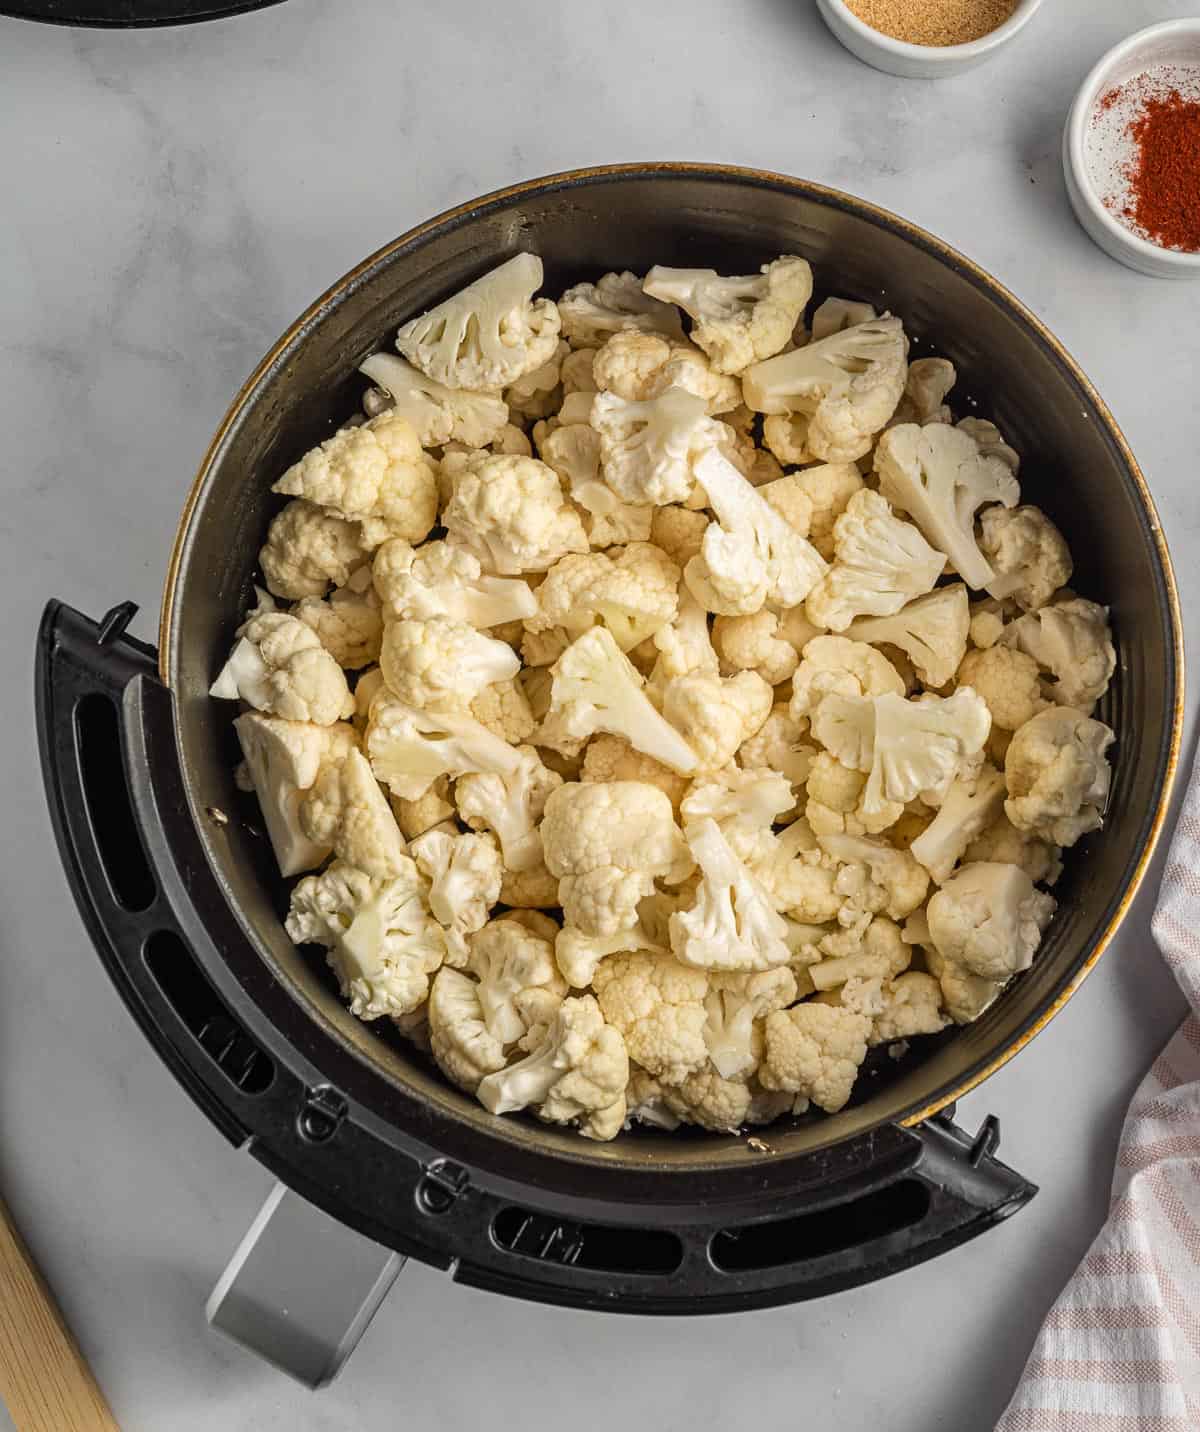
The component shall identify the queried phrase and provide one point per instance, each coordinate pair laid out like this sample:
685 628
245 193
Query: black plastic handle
860 1210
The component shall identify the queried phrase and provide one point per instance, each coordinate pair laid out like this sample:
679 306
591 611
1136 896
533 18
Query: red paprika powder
1162 198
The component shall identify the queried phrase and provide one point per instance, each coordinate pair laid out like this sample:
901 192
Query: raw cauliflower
1008 681
1058 775
279 666
641 366
815 1050
436 663
511 513
375 475
349 623
658 1005
307 550
752 643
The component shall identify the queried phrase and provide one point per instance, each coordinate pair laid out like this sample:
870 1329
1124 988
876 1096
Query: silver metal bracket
301 1288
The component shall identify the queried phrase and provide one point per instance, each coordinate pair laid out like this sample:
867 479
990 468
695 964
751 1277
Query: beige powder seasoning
933 22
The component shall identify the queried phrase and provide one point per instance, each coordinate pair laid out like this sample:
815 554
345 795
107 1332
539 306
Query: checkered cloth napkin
1120 1349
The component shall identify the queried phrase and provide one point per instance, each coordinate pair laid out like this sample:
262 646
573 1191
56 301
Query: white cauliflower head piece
732 923
848 385
462 1045
881 564
990 919
345 810
751 555
738 321
576 1075
438 414
409 749
658 1005
633 593
464 874
1071 641
735 1007
349 623
967 810
939 476
744 803
639 366
1028 554
442 663
836 665
511 513
442 580
383 944
615 303
1058 775
931 631
520 987
607 843
308 549
716 715
648 448
511 804
815 1050
488 334
375 475
279 666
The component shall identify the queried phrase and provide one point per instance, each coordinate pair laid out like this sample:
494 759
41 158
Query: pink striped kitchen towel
1120 1350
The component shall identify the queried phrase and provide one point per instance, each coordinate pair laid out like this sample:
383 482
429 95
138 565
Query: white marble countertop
171 201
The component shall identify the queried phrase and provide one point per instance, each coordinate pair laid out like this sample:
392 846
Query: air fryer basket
1076 465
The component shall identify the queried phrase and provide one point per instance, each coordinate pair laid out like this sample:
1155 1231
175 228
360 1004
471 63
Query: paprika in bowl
1131 151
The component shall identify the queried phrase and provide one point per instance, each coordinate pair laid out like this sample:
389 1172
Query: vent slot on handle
109 810
586 1245
192 997
829 1230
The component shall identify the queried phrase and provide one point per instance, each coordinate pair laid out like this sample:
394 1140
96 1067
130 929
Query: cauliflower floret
799 877
416 817
440 580
837 314
751 555
596 688
520 987
345 811
847 384
988 619
658 1005
779 745
1028 554
279 666
912 1005
829 489
745 804
409 749
1008 681
732 924
616 303
375 475
678 532
487 335
648 449
835 665
577 375
534 889
834 803
931 632
1058 775
283 759
646 1102
909 748
623 523
538 393
438 414
460 1041
504 709
607 843
752 643
990 441
464 874
965 996
990 919
684 645
382 943
437 663
786 436
738 321
633 595
349 623
860 960
874 878
881 564
1003 843
788 497
576 1075
735 1006
968 808
1071 641
511 804
815 1050
610 758
573 451
716 715
925 391
938 475
641 366
511 513
580 955
308 549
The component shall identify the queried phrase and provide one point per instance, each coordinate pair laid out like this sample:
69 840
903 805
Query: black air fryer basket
178 888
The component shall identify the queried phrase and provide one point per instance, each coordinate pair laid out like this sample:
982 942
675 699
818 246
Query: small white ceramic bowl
1175 42
919 62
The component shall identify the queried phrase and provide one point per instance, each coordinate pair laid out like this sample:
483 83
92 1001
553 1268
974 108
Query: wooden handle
43 1377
